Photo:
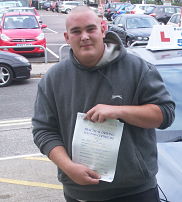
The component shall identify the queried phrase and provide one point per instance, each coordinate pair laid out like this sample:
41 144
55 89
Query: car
66 6
9 4
167 58
26 9
13 67
162 12
168 62
122 9
23 32
133 27
175 20
110 9
140 8
45 5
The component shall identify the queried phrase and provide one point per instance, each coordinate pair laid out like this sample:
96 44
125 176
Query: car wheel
6 75
128 42
67 11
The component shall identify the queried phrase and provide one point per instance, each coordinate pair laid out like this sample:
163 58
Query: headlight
40 37
4 37
146 38
139 38
22 59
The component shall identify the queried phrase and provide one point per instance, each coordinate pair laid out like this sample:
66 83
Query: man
102 80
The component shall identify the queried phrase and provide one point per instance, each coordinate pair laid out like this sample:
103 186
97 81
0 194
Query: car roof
21 8
167 6
159 58
136 15
18 13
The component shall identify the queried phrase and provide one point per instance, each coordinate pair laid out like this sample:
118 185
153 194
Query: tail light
132 12
153 14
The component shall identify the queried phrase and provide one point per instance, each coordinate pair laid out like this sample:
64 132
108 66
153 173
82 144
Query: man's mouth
86 45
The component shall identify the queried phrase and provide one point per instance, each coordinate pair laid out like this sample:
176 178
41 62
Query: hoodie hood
114 49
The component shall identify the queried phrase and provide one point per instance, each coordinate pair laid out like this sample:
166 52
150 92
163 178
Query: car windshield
140 22
149 9
20 22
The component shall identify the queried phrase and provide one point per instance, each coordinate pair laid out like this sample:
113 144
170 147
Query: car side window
178 10
178 17
173 19
169 10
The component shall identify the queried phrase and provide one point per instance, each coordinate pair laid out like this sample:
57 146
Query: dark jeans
151 195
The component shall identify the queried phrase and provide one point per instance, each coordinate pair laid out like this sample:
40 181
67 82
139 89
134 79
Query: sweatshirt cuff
49 146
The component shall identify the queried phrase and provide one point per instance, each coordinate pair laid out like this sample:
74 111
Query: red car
23 32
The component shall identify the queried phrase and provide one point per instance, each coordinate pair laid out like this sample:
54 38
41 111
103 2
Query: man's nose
84 36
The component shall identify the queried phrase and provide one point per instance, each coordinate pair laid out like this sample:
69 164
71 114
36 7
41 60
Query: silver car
66 6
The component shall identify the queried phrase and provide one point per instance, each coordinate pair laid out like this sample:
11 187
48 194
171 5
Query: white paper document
96 145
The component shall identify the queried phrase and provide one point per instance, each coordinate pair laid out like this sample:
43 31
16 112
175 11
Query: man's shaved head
85 35
80 9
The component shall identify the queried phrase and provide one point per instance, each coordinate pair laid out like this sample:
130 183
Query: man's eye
75 32
91 29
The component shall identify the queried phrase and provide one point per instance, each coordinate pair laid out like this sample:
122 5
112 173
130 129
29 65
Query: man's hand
82 175
101 112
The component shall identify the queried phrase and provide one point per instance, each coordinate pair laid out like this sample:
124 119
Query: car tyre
6 75
128 42
67 11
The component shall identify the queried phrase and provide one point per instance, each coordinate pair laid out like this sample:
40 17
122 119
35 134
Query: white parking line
15 122
55 44
20 156
52 30
50 51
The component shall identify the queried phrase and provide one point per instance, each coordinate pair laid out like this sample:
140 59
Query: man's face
85 36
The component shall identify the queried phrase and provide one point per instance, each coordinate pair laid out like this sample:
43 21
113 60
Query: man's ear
103 30
66 37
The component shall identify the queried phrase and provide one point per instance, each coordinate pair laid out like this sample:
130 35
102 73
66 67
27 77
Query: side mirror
43 26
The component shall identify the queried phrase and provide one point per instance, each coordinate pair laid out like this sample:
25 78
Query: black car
162 12
13 67
133 27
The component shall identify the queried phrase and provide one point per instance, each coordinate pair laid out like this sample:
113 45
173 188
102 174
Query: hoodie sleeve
45 132
154 91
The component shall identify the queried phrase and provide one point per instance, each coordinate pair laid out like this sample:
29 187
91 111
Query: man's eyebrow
74 28
87 27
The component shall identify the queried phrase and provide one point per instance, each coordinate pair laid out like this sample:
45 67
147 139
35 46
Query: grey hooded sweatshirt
118 79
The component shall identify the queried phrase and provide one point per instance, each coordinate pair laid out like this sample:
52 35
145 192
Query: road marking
55 44
20 156
15 122
50 51
29 183
52 30
37 158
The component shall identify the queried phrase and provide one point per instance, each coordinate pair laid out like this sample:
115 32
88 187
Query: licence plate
24 45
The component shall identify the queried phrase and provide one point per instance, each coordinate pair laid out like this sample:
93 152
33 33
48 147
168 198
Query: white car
9 4
175 20
140 8
66 6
